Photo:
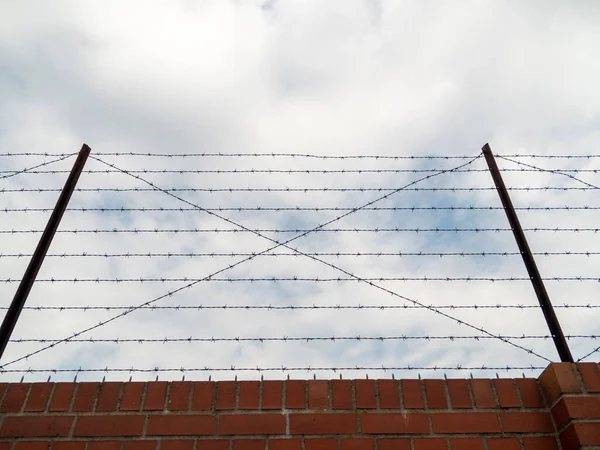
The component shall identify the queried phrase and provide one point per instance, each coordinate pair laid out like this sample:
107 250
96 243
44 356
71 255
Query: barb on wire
28 169
295 255
356 307
332 339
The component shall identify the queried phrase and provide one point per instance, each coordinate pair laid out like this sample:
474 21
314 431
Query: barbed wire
303 155
264 339
283 369
277 244
287 189
28 169
288 171
367 280
336 254
299 230
358 307
301 208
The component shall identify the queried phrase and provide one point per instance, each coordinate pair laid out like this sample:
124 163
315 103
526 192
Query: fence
274 265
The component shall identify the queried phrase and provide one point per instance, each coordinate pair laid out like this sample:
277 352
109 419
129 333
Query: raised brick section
560 410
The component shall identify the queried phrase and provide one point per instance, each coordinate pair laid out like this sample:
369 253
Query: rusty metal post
14 311
536 279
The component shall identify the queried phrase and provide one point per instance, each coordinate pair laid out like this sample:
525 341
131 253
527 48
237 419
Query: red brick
429 444
568 408
365 394
38 397
393 444
226 392
5 445
507 393
179 396
394 423
109 426
459 422
109 397
341 394
591 376
85 397
466 444
285 444
176 444
412 394
323 423
73 445
459 394
435 391
318 394
579 434
482 392
104 445
503 444
14 398
181 425
272 394
530 393
356 444
388 394
137 445
557 379
526 422
320 444
212 444
251 424
539 443
249 394
36 426
132 396
32 445
202 398
156 395
249 444
295 394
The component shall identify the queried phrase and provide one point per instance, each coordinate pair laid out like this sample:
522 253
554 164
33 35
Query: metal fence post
534 274
14 311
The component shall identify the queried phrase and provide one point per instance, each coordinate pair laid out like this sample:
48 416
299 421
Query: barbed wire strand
277 245
391 190
357 307
301 155
334 339
14 173
298 230
295 255
289 171
350 278
282 368
301 208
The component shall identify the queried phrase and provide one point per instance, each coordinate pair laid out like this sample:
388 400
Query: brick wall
559 410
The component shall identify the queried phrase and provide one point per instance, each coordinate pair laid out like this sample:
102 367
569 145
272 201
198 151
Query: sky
329 79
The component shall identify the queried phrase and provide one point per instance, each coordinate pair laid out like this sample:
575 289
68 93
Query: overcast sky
329 78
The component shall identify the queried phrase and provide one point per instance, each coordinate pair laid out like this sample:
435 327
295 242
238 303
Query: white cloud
329 78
